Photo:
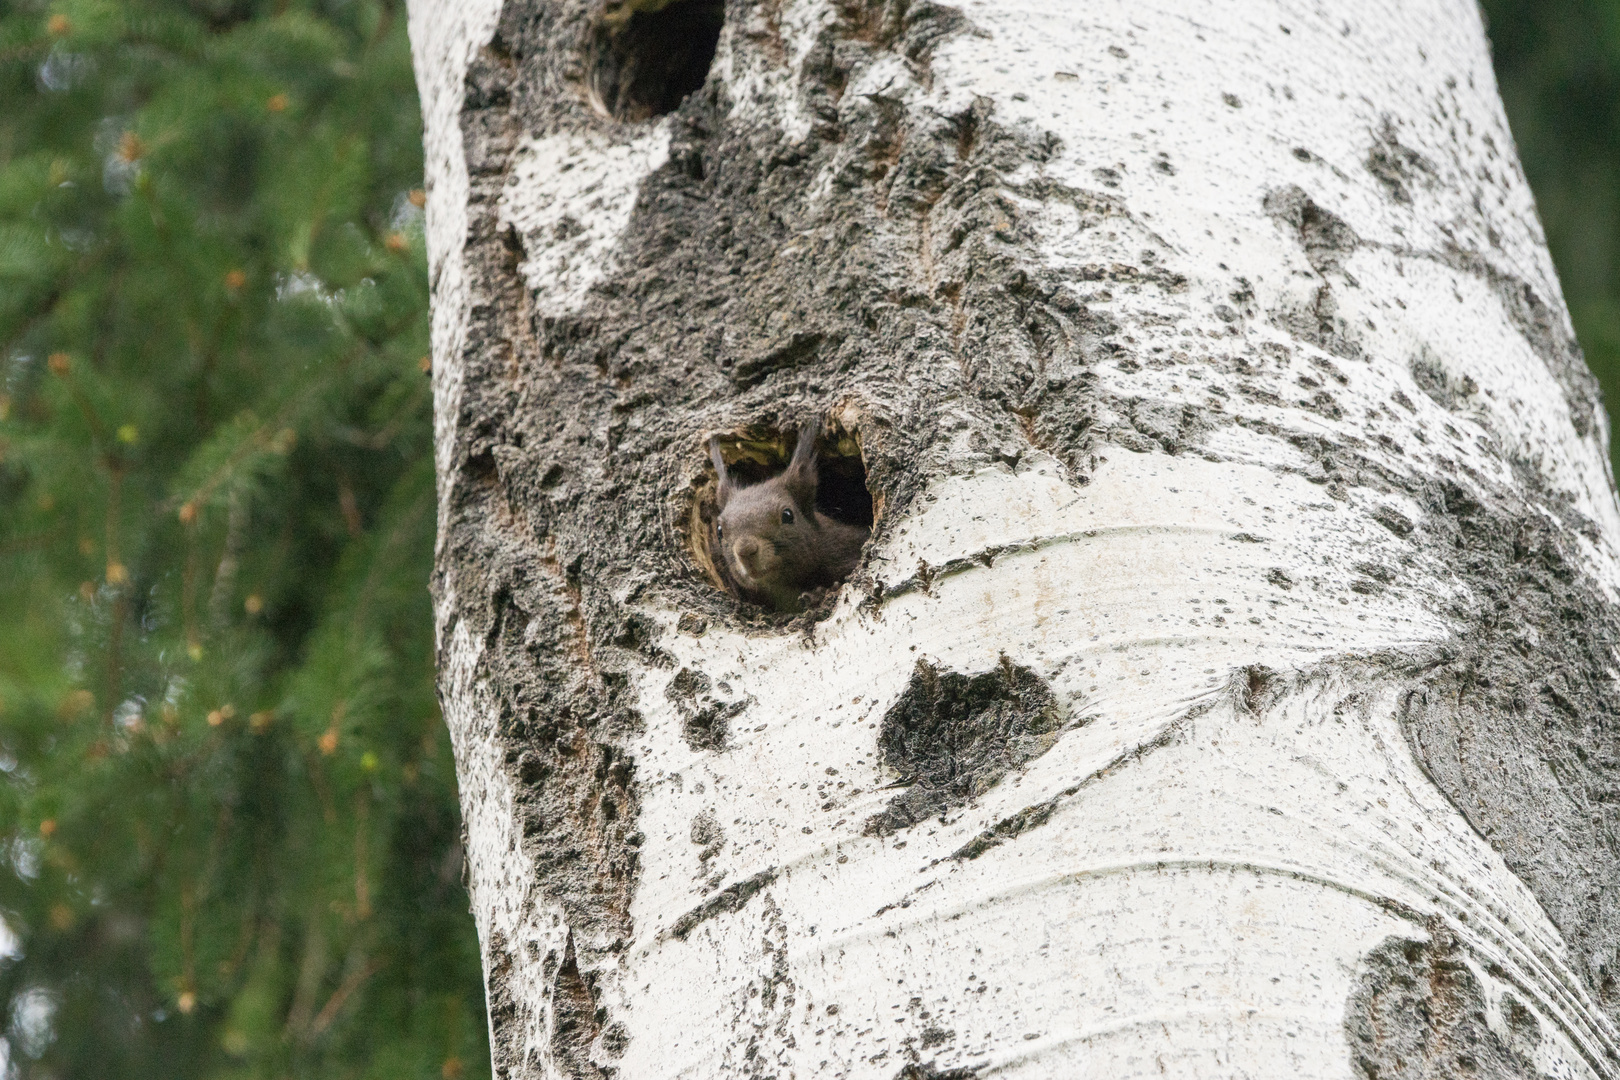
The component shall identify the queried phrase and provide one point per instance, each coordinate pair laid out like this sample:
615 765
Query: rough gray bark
890 270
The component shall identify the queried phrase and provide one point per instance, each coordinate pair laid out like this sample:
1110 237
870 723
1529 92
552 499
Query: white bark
1219 847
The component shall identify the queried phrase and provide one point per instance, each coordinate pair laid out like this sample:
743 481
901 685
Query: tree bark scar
951 737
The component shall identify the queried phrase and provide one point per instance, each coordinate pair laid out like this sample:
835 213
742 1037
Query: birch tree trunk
1230 684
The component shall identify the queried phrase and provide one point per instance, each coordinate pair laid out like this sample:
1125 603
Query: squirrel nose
747 548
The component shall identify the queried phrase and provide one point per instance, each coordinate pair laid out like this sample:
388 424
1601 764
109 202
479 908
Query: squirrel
774 545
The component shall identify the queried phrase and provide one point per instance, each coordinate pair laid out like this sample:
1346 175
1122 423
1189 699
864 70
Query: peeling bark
1230 683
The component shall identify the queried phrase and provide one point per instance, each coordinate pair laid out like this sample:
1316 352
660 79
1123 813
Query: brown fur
773 561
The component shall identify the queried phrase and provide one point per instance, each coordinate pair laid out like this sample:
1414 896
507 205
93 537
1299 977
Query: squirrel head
769 533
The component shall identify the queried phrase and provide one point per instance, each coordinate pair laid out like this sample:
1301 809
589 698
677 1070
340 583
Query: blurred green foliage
229 841
1558 64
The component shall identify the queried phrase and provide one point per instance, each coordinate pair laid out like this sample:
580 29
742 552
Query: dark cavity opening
643 64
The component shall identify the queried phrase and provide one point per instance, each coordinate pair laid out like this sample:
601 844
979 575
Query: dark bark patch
952 737
1168 425
732 898
1327 240
1008 828
1448 390
1418 1012
575 1023
1325 236
707 833
1324 404
706 720
1397 167
931 1071
1393 520
1378 572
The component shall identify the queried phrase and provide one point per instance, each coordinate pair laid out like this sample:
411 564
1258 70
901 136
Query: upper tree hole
648 55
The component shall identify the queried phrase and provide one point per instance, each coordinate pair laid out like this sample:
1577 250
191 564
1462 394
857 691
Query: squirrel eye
719 531
787 516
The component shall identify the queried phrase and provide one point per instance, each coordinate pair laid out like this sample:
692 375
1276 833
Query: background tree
1229 685
1559 68
231 834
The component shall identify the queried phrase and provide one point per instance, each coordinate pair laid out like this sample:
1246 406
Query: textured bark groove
576 1026
561 711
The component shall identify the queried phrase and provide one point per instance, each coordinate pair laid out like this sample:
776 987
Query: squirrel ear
800 476
723 492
